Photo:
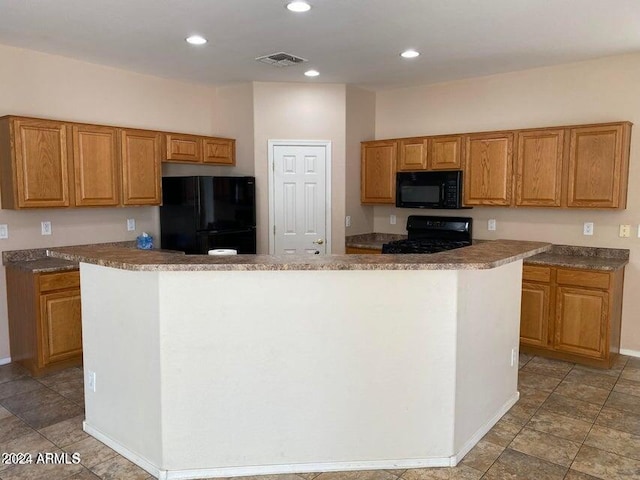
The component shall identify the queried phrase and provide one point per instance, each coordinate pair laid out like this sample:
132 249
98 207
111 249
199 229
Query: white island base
227 373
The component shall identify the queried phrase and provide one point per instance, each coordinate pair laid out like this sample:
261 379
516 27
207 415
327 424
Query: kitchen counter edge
477 257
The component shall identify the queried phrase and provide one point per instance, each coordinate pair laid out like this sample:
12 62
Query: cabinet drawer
536 274
59 281
583 278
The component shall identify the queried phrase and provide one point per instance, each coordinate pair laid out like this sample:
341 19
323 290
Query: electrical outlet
347 221
625 231
4 231
491 224
131 224
588 228
45 228
392 219
91 381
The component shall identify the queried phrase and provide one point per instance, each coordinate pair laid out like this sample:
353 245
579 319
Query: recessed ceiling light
196 40
409 53
298 6
312 73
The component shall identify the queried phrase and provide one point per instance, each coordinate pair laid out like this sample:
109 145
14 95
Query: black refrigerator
199 214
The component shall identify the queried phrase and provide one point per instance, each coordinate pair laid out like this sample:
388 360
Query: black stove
428 234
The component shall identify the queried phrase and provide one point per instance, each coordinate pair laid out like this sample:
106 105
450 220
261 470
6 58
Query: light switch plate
131 224
4 231
625 231
91 381
392 219
45 228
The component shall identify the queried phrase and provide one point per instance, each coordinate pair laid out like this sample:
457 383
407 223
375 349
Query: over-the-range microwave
441 189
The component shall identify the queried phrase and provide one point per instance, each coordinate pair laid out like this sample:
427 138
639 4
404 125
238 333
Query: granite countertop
36 260
591 258
372 240
476 257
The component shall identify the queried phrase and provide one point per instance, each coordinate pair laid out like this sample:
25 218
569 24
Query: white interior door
299 192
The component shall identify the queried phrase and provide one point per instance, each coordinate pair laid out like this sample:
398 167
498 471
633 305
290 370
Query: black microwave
429 189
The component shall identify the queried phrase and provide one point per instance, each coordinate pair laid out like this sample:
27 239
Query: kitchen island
254 364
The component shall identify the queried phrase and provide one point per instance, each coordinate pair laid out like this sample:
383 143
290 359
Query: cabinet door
221 151
413 154
61 325
378 172
41 166
539 163
183 148
445 153
95 165
581 321
141 157
534 314
598 166
488 169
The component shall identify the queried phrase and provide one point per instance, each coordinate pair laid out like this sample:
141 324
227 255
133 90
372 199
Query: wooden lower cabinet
581 321
534 318
571 314
363 251
45 326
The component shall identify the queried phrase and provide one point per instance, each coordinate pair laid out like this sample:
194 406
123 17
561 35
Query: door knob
319 242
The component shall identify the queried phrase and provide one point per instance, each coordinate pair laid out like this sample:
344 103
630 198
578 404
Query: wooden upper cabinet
412 154
539 167
221 151
34 164
378 172
445 153
194 149
141 153
96 178
430 153
598 166
488 168
183 148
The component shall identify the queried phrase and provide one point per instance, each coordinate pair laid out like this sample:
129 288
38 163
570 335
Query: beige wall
587 92
300 111
50 86
361 106
232 117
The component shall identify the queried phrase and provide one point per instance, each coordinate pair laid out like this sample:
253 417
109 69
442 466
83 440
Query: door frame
327 182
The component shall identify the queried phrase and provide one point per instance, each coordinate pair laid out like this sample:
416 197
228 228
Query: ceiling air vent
281 59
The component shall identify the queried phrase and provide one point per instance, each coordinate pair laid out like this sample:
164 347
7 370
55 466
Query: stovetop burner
427 234
422 246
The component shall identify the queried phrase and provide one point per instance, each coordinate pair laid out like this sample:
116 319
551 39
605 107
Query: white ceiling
348 41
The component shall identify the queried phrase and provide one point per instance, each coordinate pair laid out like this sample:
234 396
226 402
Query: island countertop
476 257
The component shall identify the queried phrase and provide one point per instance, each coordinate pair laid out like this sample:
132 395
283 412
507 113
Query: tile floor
571 422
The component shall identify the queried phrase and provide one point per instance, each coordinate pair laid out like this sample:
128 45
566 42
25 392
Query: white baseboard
482 431
5 361
301 467
125 452
631 353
